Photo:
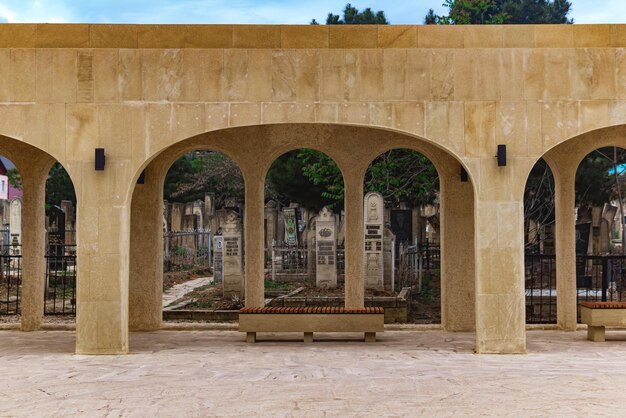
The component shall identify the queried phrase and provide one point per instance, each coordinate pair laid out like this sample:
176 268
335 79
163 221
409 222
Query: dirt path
179 290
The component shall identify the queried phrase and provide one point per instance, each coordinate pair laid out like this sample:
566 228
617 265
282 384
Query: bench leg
308 337
251 337
370 337
595 333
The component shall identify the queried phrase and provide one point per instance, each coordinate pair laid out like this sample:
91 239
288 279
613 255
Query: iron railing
10 278
415 263
60 296
598 278
298 263
186 250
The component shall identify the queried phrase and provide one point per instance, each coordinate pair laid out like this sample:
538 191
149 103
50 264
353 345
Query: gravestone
271 215
15 219
218 254
373 212
177 217
388 258
68 210
56 237
232 257
209 210
326 250
291 227
401 225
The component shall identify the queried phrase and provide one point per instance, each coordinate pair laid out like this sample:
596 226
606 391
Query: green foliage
595 185
270 284
463 12
197 173
313 180
59 186
403 175
286 180
15 180
352 16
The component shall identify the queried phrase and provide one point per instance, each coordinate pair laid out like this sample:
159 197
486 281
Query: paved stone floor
406 373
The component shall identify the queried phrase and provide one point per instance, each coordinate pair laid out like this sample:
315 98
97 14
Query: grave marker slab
374 231
326 250
232 257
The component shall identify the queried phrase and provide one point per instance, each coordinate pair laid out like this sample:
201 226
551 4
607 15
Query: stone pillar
499 254
565 237
233 283
326 250
458 293
146 254
103 236
374 234
253 236
34 245
355 239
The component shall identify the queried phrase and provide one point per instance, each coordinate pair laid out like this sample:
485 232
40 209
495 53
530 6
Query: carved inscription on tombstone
232 257
374 231
218 253
326 250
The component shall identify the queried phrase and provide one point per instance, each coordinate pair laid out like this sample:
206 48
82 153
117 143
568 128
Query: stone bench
598 315
311 319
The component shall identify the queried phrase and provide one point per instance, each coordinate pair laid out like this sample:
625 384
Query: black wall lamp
464 175
142 178
100 159
501 155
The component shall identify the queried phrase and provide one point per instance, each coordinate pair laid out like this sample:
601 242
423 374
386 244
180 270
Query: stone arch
564 159
33 164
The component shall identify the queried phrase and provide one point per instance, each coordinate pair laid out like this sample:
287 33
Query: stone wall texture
149 93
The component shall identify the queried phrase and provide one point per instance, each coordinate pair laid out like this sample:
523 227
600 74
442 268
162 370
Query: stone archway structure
139 90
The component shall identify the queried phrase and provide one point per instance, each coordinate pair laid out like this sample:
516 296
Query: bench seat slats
604 305
312 310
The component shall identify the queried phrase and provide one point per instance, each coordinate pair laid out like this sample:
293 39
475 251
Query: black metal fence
416 262
60 277
10 277
598 278
186 250
298 263
60 297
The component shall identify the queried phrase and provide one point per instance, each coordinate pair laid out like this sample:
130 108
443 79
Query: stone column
103 237
253 237
34 245
458 289
145 284
564 173
355 239
499 252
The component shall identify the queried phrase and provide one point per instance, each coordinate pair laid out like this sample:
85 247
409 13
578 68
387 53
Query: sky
251 11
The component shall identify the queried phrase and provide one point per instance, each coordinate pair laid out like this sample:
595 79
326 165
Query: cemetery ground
406 373
424 305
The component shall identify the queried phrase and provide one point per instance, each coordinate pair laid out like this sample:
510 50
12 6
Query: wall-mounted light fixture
501 155
100 159
142 178
464 175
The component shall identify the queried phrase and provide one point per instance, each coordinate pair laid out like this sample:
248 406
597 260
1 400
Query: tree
59 186
197 173
289 179
400 175
15 180
462 12
352 16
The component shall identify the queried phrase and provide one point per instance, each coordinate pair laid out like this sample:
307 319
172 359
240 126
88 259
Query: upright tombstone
291 227
373 211
271 216
326 250
232 257
218 258
15 219
176 223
